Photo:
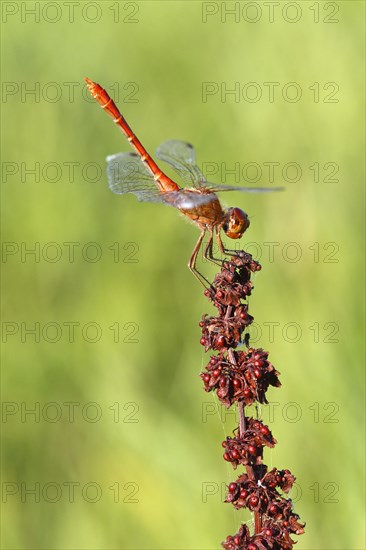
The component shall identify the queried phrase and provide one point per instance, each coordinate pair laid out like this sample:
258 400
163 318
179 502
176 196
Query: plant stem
249 469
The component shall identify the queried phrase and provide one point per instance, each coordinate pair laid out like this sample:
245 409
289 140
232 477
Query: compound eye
238 223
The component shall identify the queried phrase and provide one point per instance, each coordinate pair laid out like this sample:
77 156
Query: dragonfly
137 173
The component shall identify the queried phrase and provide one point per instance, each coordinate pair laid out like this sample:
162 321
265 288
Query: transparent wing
182 157
128 174
217 188
187 199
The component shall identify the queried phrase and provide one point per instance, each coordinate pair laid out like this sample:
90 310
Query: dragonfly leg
208 251
225 251
220 243
193 259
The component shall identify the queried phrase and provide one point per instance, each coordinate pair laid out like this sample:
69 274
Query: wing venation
182 157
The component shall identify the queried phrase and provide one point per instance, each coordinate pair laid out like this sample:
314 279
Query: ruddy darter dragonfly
137 173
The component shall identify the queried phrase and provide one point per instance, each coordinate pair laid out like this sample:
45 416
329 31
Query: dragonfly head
235 223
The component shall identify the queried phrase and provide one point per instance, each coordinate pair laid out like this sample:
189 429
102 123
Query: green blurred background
138 465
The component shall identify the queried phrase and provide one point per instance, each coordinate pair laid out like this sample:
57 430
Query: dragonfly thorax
236 222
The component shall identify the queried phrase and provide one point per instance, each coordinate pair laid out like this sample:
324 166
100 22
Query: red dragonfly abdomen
106 102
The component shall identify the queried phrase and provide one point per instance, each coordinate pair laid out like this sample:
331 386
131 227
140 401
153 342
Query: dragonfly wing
214 187
182 199
186 199
128 174
182 157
